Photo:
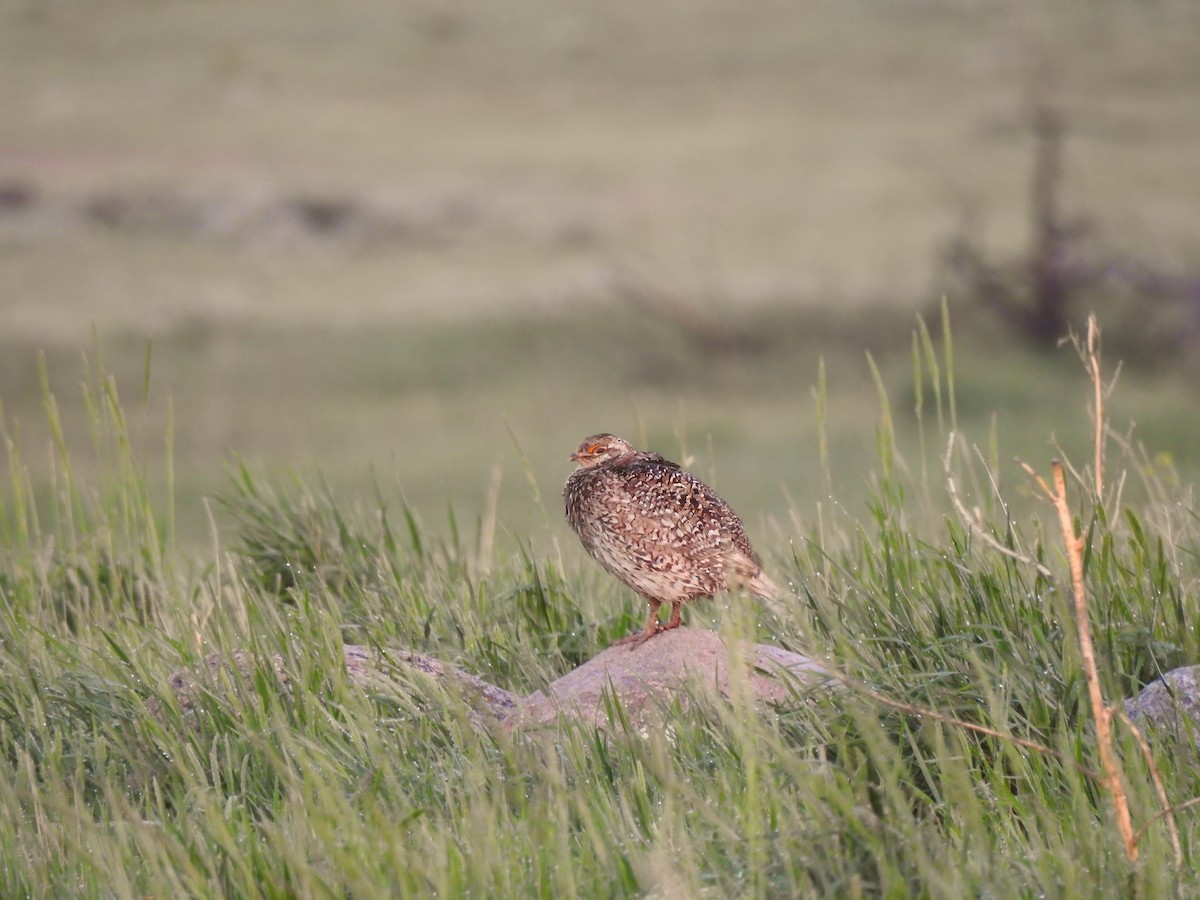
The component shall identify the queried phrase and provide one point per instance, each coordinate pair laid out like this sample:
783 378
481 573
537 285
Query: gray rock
1172 704
189 684
366 666
642 680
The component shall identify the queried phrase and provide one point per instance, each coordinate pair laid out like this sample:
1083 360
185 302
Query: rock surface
366 666
642 680
1172 703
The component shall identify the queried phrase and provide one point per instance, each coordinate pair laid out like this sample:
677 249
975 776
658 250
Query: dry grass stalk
1109 764
973 521
1169 815
1168 811
1103 714
1089 352
1093 363
926 712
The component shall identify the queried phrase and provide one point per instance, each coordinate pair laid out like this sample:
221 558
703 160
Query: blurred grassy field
792 170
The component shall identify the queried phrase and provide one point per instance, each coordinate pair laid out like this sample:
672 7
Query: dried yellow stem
1168 813
1093 364
1109 765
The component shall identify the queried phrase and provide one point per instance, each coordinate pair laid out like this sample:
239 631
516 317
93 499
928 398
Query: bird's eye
594 448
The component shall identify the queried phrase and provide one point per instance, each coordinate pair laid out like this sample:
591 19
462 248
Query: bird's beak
574 457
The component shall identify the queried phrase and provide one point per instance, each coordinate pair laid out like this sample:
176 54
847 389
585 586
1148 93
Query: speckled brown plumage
658 528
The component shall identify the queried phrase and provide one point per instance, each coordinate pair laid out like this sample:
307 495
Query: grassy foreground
334 791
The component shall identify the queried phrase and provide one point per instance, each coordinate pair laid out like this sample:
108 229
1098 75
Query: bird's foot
636 640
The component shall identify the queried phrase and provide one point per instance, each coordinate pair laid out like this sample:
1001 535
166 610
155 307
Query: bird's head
600 448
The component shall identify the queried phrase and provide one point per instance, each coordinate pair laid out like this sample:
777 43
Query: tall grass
301 784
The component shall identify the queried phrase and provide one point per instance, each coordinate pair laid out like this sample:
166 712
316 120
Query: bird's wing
676 510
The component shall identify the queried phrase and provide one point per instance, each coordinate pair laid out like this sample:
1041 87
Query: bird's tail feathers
763 587
745 573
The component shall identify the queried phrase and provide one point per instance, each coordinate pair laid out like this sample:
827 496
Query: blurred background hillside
437 244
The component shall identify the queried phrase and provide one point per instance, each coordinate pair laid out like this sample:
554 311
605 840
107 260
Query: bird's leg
652 628
676 617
